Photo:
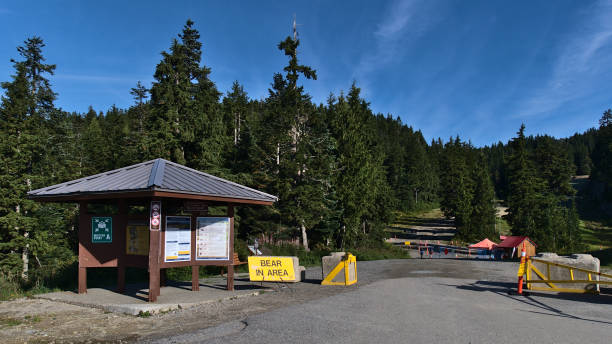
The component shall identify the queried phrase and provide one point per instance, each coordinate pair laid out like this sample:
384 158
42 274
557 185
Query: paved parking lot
425 301
395 301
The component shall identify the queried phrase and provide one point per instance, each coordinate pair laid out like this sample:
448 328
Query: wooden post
120 237
82 280
154 248
195 277
120 278
83 228
163 278
195 270
230 267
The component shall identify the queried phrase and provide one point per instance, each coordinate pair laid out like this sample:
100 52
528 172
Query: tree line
340 170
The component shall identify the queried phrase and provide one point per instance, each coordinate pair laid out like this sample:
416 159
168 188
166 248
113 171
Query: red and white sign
155 215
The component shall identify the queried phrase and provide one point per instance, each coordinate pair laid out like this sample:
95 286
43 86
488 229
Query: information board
178 238
137 239
213 238
101 230
271 269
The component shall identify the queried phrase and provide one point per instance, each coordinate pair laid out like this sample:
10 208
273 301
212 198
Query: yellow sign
521 270
407 243
271 269
137 240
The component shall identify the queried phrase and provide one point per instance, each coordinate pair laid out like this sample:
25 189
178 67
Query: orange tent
486 243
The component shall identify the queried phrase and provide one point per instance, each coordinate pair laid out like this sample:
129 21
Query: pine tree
602 155
524 199
185 124
482 219
362 189
27 102
457 185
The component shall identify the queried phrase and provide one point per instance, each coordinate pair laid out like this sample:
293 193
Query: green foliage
602 154
538 198
467 192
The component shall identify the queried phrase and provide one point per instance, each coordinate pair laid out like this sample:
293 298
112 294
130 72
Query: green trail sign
101 230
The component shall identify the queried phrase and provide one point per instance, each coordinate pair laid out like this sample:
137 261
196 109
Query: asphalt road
424 301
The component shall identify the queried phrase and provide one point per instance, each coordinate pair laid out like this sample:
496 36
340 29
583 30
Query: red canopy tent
516 243
486 243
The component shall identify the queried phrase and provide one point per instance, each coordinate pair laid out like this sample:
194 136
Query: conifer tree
361 184
27 103
185 124
482 219
602 155
524 199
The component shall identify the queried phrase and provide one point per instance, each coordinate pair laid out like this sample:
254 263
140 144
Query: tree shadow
534 298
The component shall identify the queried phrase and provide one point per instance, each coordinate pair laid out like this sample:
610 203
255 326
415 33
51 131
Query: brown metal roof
159 176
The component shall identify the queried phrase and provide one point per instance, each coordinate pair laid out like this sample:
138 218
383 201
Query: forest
341 172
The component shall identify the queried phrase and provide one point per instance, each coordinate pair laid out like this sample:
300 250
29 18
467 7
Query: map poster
178 239
101 230
137 239
212 238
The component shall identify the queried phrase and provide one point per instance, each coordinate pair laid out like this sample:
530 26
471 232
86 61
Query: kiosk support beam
230 267
122 227
195 277
83 227
154 273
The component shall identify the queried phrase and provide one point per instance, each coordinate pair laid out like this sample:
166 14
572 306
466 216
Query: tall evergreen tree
362 188
602 155
27 103
185 124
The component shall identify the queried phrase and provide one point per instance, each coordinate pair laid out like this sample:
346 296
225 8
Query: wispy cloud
402 22
581 64
5 11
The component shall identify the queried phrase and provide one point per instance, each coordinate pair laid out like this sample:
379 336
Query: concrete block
328 263
583 261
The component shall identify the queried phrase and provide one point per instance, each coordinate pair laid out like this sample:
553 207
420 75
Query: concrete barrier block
583 261
329 263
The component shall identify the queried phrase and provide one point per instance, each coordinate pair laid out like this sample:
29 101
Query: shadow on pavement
534 298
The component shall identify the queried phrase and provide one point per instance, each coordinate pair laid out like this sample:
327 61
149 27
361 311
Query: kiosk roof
156 178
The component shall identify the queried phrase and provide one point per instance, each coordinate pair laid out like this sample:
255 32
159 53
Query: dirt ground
43 321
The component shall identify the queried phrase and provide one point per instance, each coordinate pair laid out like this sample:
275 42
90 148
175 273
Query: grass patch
144 314
10 322
387 251
502 226
313 258
32 319
597 237
413 218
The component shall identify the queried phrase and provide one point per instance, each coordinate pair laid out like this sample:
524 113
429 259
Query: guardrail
440 248
545 278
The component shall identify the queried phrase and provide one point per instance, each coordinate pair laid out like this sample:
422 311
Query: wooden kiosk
153 215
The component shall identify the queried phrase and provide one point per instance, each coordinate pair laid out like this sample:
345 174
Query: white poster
213 238
178 239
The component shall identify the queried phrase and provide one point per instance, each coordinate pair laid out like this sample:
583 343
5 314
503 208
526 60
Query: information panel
178 238
101 230
213 238
137 239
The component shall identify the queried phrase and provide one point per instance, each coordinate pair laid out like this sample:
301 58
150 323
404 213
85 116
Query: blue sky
477 69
